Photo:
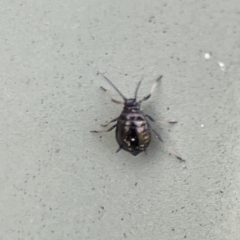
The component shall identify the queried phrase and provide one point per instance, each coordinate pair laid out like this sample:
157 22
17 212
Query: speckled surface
58 181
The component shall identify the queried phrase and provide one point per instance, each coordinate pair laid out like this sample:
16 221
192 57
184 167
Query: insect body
133 131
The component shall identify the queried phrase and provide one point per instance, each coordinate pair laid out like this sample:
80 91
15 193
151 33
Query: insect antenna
113 86
136 91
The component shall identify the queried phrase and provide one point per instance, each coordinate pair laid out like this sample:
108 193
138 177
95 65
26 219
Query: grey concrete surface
58 181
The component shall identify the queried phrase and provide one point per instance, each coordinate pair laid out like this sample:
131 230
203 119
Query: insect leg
108 130
120 147
160 121
152 90
167 147
114 120
110 95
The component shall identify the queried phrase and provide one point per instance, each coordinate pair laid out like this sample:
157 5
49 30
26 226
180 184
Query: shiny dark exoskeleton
133 131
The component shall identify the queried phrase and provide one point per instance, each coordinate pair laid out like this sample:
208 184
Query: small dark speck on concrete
122 219
125 235
125 74
102 207
136 184
168 108
57 150
151 19
185 236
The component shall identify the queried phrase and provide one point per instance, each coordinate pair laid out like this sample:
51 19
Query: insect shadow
133 131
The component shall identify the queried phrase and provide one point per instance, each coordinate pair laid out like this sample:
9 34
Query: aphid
133 131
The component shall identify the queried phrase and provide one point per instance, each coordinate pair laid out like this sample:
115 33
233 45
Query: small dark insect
133 132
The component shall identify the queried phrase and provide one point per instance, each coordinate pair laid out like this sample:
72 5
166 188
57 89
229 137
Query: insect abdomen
133 132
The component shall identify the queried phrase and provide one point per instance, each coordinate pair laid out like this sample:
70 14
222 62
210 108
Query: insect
133 131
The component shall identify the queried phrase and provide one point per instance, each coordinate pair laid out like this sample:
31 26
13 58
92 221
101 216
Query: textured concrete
58 181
